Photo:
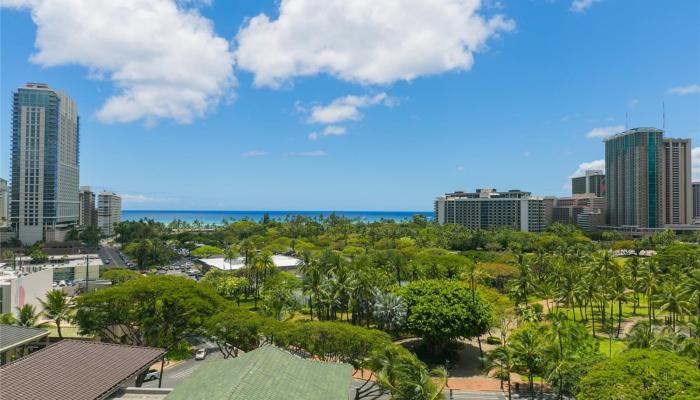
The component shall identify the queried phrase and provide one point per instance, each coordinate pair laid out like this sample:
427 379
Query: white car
152 375
201 354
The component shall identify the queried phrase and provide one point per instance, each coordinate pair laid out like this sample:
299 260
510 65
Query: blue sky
338 105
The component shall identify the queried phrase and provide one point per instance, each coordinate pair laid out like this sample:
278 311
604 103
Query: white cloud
632 103
684 90
695 162
347 108
317 153
165 61
334 130
593 165
365 41
138 198
605 131
330 130
255 153
582 5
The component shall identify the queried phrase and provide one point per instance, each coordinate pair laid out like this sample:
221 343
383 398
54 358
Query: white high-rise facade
45 166
109 212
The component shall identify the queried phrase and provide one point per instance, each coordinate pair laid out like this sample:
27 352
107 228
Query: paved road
174 375
111 254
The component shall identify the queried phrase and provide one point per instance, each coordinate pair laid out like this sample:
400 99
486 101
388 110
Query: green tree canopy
440 311
158 311
119 275
642 375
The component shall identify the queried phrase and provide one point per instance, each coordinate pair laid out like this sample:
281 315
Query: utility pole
87 272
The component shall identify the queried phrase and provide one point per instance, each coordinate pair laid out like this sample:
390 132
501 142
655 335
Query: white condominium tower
109 212
45 168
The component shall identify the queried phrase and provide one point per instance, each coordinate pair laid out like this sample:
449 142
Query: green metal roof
267 373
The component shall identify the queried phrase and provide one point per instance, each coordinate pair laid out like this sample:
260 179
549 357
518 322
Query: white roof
225 264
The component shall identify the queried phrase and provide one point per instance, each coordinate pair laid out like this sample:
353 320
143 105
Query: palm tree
649 284
527 349
29 316
311 282
57 307
559 329
692 290
502 361
634 266
523 285
230 256
673 300
641 336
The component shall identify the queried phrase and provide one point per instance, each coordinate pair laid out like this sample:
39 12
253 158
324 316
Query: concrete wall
26 289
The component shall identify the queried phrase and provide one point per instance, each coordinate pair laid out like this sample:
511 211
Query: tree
156 311
235 329
27 315
226 284
642 375
91 236
673 300
404 377
278 297
389 311
501 361
57 307
207 251
440 311
119 275
38 256
527 344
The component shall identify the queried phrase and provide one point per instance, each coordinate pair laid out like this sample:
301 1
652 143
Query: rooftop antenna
663 115
627 121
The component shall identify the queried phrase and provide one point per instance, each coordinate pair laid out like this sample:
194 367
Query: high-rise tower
635 178
45 167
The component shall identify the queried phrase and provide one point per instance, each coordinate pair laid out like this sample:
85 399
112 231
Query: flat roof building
109 212
488 209
88 212
696 202
592 182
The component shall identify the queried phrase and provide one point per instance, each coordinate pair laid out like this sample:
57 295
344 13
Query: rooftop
74 369
266 373
280 261
13 336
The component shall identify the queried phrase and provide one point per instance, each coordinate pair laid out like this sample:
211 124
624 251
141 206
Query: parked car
62 283
152 375
201 354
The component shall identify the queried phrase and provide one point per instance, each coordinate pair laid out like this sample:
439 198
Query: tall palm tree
673 299
634 267
692 290
649 284
527 349
57 307
502 361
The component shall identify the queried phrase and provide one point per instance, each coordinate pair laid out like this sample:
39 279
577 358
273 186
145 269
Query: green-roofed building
267 373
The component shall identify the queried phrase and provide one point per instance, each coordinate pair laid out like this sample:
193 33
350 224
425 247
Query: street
108 253
175 374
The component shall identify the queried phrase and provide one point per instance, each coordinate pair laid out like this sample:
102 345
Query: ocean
216 217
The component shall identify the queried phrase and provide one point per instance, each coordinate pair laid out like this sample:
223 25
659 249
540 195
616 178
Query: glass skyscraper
45 166
634 178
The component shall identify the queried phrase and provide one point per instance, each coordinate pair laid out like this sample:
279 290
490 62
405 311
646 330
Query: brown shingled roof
74 369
